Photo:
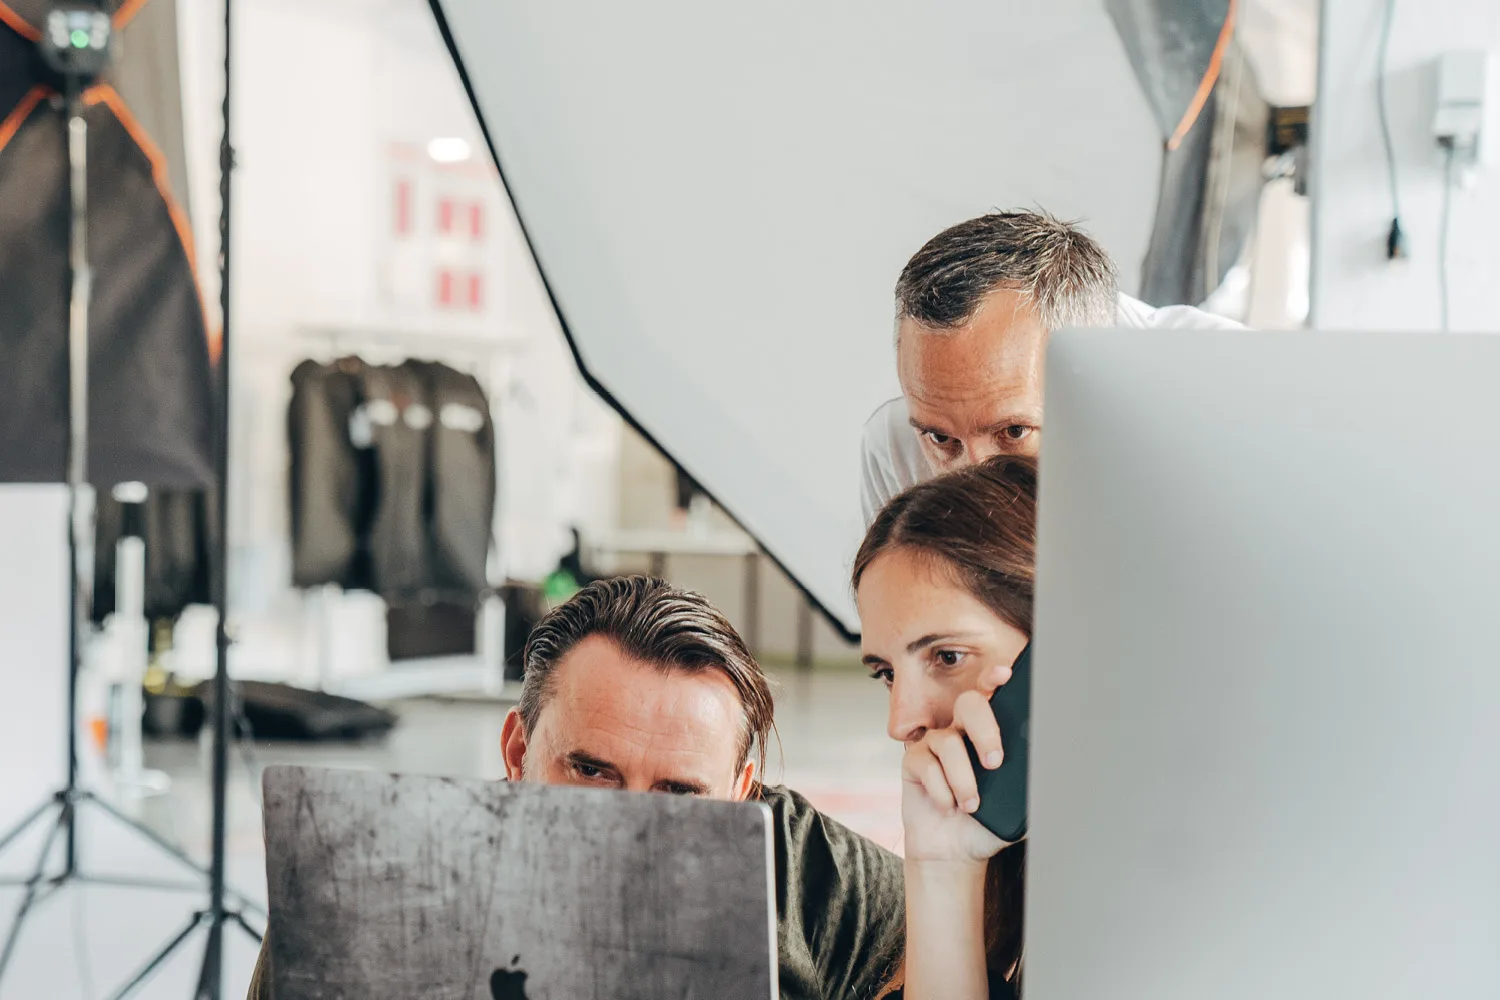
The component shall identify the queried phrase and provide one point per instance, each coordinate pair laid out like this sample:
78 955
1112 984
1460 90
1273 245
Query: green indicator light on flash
79 38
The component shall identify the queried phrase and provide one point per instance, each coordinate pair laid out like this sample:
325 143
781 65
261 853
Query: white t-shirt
892 458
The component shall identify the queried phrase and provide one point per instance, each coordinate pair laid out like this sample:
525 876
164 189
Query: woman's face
927 638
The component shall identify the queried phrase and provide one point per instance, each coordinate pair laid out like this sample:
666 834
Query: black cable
1395 244
1443 221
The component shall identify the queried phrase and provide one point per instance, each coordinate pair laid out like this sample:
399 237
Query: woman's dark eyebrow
934 638
871 660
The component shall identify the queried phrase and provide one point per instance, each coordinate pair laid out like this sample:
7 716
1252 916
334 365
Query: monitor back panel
1266 720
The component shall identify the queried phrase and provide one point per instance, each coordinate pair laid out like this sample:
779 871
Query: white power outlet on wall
1462 106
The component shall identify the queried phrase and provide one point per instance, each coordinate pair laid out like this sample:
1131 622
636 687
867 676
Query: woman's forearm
945 957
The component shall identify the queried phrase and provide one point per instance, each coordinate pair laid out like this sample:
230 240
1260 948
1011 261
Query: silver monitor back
388 887
1266 727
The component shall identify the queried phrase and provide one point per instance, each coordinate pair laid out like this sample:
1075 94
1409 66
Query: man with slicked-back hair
636 685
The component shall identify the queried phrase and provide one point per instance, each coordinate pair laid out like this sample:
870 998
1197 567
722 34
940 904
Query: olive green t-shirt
840 907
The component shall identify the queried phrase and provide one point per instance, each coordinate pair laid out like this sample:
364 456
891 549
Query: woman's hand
938 787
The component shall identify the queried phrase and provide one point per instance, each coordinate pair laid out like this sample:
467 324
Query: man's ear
513 745
743 784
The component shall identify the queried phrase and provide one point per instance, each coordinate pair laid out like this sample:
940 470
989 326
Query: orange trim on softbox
109 97
1206 85
19 24
128 10
22 111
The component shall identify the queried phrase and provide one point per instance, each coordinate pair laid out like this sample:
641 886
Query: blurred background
716 208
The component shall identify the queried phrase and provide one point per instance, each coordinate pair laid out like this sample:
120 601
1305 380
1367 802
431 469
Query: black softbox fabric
1171 45
1210 191
1207 103
150 394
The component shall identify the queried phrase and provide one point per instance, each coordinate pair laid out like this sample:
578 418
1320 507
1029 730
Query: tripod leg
246 903
126 882
145 831
211 978
29 900
25 824
161 956
239 918
170 848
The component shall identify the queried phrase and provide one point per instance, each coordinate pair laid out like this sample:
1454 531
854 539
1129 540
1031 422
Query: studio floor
85 942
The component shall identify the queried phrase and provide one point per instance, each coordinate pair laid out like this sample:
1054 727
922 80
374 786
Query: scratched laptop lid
384 886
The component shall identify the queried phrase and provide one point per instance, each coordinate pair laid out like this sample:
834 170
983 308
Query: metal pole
81 524
210 981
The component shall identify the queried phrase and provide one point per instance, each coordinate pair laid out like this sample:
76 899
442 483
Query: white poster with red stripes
443 263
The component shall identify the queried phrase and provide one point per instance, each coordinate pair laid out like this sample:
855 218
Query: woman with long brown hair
944 582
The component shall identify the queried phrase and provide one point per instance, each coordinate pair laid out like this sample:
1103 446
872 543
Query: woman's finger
958 773
992 677
923 767
973 717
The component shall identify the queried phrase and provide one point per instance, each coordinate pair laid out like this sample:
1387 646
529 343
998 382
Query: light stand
76 45
217 913
211 978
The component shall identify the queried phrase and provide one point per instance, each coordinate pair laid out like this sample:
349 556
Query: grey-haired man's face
975 391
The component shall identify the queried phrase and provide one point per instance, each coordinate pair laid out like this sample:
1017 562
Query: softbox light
150 405
1214 126
719 199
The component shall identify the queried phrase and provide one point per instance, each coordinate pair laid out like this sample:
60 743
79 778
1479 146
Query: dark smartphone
1002 792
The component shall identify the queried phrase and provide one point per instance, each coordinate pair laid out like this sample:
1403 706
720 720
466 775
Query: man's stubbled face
975 391
615 722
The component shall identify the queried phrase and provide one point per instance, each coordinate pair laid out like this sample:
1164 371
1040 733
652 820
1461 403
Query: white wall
323 90
1280 38
1354 286
33 648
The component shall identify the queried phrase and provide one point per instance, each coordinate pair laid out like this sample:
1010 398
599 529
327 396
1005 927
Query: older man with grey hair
974 308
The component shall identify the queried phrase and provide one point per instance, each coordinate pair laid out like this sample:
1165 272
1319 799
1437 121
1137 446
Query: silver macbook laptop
390 888
1266 722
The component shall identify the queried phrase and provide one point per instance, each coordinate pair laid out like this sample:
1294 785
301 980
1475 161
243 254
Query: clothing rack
484 672
448 346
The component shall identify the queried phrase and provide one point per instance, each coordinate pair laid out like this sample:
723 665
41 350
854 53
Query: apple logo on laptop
508 984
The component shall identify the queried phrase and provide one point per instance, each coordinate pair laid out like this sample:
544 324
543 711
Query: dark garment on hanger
392 480
397 408
459 504
330 501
